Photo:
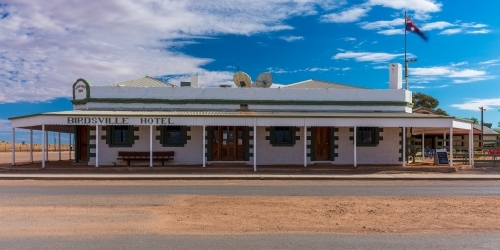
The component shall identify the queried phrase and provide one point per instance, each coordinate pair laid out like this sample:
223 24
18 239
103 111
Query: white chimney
395 76
195 81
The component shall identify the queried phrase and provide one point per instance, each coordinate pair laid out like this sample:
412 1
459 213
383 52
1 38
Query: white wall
386 152
283 94
190 154
260 94
269 155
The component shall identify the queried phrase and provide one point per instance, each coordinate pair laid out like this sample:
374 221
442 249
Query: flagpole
406 63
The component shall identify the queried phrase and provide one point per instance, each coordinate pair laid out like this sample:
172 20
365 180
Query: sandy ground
186 214
24 157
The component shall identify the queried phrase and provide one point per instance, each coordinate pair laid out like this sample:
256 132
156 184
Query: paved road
273 241
30 193
251 187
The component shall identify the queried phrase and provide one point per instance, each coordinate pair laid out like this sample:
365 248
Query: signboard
80 91
441 157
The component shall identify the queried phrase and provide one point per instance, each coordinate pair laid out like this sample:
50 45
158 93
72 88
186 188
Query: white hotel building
304 123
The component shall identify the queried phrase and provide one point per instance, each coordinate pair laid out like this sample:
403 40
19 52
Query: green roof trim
255 102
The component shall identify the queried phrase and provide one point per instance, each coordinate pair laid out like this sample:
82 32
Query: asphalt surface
259 241
266 187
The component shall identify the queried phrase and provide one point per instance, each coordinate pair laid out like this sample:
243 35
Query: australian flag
411 27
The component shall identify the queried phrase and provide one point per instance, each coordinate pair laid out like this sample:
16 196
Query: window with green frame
282 136
367 136
120 135
173 136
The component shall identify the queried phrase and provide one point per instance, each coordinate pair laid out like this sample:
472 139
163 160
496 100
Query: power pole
482 124
406 70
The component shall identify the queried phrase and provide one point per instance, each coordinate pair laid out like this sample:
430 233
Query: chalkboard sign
441 157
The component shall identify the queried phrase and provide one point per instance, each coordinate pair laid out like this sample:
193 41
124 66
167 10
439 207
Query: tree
421 100
474 119
441 112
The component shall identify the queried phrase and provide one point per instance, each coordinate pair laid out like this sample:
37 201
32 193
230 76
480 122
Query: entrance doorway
322 144
228 143
81 149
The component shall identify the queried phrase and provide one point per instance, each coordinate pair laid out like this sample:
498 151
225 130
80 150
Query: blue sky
46 45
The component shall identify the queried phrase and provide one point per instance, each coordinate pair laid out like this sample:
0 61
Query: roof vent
185 84
225 86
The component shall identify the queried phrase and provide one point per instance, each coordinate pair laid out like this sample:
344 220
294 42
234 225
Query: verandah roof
240 118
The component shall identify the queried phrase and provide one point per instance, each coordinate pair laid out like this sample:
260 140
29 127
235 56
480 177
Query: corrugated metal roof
486 130
318 84
241 113
143 82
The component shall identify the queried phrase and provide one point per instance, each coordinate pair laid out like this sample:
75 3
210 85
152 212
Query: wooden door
227 140
227 143
322 144
82 143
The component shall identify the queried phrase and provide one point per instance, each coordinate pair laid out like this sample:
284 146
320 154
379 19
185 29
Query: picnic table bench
144 156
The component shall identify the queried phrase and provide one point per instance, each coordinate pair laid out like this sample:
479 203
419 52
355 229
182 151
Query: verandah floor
69 165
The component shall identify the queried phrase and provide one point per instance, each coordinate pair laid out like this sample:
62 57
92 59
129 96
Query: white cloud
291 38
396 27
450 31
421 8
474 25
442 72
493 61
467 73
313 69
417 87
382 24
415 5
430 71
481 31
366 56
458 64
349 39
359 44
474 104
346 16
436 25
391 32
473 79
318 69
380 67
46 45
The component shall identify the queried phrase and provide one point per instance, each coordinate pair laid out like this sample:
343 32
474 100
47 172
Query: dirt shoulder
186 214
